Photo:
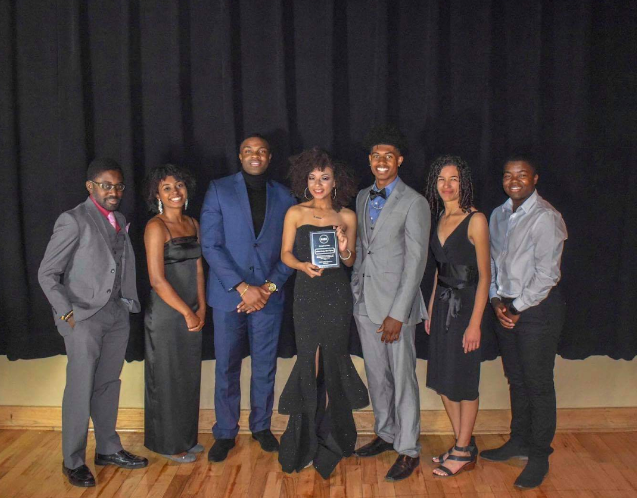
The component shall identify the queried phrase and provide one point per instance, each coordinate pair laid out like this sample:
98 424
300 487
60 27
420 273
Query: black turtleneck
257 195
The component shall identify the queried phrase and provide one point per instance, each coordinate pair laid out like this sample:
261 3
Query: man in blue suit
241 229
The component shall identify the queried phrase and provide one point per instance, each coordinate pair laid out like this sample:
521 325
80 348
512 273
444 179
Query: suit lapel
97 219
389 205
362 209
269 206
244 202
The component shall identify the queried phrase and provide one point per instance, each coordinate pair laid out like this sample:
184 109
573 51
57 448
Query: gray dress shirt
526 251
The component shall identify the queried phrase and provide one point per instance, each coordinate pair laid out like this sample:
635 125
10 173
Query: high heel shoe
185 458
442 457
470 461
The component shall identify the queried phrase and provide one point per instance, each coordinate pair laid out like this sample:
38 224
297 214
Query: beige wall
594 382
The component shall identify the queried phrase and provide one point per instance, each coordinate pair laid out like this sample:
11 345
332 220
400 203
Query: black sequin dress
322 314
449 370
173 356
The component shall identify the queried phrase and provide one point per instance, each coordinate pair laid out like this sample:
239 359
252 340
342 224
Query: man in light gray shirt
527 238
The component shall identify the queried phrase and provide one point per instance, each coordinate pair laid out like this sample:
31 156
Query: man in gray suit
391 247
88 276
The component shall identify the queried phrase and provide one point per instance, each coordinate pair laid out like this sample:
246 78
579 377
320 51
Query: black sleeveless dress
322 315
449 370
173 356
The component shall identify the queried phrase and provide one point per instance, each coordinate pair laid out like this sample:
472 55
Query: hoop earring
334 195
186 205
305 195
160 206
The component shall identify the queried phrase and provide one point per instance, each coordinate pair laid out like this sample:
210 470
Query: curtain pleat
184 81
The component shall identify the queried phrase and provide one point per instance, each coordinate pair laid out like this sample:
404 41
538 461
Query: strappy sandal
441 458
469 465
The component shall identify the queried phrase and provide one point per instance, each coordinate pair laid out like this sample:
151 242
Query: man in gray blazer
391 248
88 276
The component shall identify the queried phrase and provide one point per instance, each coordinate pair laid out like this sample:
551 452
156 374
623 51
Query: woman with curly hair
174 318
460 244
324 386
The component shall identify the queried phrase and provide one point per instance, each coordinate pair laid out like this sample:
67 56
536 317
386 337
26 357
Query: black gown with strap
449 370
322 316
173 356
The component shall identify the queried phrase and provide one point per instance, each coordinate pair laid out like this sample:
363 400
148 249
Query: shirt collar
388 188
526 206
105 212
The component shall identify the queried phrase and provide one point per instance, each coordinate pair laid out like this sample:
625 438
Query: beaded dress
321 427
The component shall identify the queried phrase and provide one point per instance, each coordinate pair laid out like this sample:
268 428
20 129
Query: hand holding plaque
324 249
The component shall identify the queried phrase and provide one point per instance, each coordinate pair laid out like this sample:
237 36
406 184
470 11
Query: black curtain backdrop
147 82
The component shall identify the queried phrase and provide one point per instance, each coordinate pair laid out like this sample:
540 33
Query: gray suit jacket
391 262
78 268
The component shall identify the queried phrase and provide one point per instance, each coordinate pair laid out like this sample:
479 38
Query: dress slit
319 372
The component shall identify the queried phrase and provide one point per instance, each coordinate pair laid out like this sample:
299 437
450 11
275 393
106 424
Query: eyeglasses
109 186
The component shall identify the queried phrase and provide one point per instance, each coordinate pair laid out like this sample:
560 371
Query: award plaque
324 247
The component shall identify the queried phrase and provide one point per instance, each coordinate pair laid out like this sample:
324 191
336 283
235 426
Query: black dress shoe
505 452
533 474
267 440
220 449
402 468
376 447
122 459
80 477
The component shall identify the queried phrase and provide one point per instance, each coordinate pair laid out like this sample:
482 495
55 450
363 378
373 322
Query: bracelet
244 290
65 318
348 256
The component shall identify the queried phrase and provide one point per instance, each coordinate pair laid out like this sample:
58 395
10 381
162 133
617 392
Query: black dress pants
528 356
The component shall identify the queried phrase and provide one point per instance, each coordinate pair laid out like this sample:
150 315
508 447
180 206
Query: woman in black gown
460 244
324 386
174 317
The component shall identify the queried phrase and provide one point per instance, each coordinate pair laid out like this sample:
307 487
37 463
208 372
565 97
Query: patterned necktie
113 221
376 193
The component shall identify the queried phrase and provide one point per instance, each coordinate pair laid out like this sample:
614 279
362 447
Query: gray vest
117 242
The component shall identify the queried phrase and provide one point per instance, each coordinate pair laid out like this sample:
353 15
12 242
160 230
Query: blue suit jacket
232 249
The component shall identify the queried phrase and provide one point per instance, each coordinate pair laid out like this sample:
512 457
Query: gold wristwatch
271 286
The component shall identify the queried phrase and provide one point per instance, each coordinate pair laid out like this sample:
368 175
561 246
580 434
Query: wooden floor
584 464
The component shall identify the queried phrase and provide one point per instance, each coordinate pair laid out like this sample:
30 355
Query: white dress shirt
526 251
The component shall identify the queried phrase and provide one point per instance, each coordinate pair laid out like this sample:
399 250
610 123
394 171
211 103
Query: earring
334 195
186 205
160 206
305 195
